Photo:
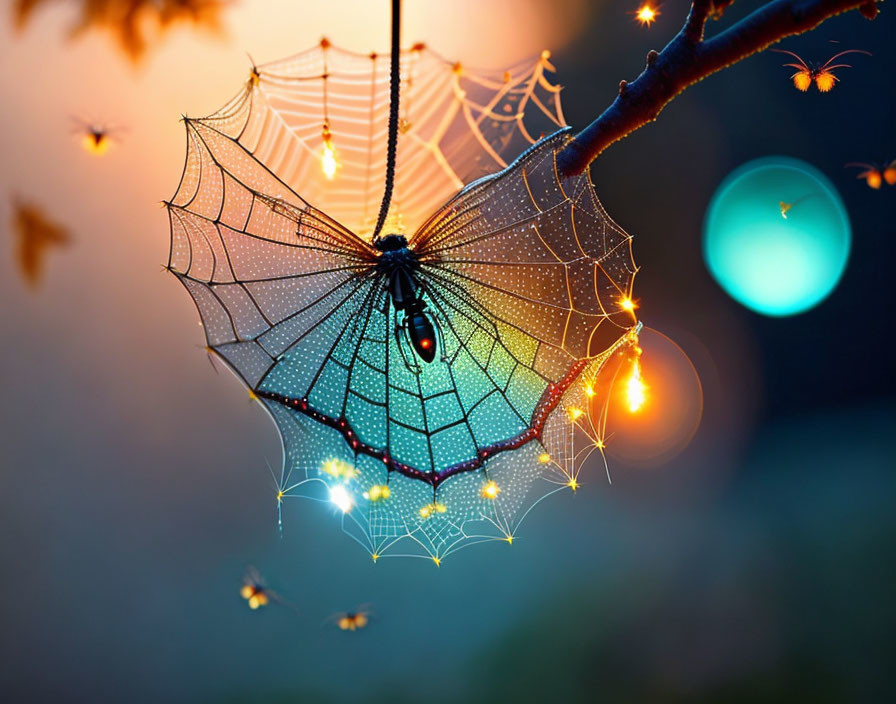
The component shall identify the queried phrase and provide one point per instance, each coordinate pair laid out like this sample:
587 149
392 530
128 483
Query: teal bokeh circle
770 263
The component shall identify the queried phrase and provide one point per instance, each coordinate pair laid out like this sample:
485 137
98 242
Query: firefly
646 14
254 591
95 138
377 492
352 620
875 175
635 388
257 594
822 75
328 161
784 206
490 490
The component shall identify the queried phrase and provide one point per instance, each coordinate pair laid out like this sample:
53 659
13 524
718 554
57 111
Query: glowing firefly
635 388
377 492
340 497
95 139
822 75
328 161
784 208
352 620
875 176
646 14
254 590
490 490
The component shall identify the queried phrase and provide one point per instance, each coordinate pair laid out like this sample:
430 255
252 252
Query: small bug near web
820 74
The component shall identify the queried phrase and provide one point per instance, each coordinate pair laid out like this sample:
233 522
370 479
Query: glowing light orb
776 236
646 14
328 161
655 401
341 498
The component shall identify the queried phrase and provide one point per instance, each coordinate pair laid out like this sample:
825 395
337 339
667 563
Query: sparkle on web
457 124
525 275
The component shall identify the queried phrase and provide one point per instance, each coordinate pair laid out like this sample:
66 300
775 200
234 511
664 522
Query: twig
689 58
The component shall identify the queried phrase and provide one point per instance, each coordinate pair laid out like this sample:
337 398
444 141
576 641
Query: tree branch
688 58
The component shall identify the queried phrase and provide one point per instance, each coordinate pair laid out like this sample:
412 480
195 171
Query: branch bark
690 58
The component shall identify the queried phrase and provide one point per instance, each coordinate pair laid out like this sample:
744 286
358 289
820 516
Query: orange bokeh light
646 14
648 404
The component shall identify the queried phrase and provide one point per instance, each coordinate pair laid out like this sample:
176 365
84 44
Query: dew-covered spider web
526 277
330 107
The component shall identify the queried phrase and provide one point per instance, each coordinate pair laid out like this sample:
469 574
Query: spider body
399 263
820 74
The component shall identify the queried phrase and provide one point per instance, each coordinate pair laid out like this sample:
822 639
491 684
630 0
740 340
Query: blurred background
756 565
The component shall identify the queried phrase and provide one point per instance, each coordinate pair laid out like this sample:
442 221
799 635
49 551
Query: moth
875 175
821 74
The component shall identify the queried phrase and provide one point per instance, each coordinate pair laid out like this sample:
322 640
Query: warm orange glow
646 14
575 413
648 404
328 162
96 142
825 80
258 599
627 304
635 388
254 596
802 80
490 490
890 175
426 343
352 621
873 178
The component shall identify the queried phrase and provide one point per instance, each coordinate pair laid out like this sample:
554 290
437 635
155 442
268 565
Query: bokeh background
757 565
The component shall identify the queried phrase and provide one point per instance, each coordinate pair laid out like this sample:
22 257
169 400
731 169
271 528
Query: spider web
457 124
524 273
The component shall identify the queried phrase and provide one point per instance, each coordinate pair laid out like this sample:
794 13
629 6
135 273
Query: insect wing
802 80
890 174
825 81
